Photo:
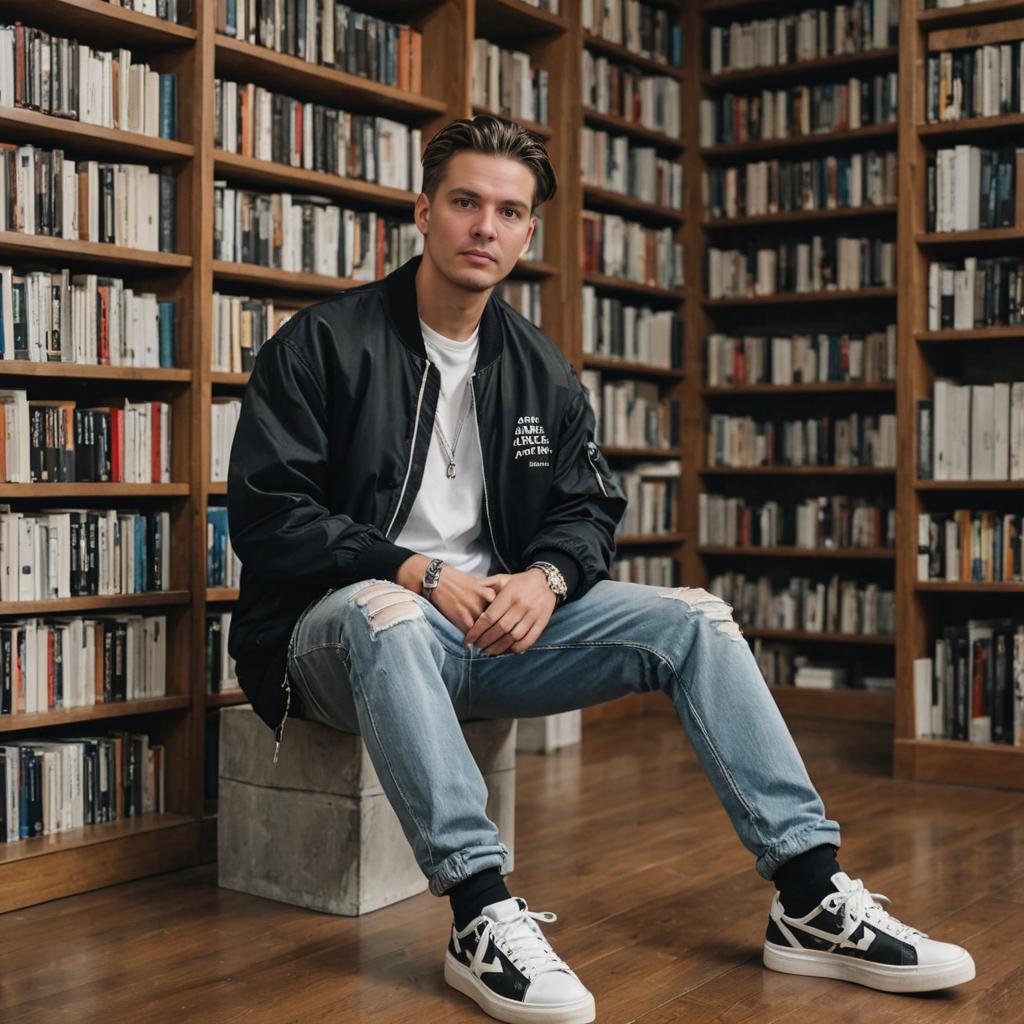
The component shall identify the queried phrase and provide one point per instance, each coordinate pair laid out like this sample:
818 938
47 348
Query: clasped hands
508 611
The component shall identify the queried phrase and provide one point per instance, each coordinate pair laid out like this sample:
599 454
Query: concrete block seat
316 829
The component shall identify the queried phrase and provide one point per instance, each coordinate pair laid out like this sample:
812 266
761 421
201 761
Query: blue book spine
166 314
168 105
141 583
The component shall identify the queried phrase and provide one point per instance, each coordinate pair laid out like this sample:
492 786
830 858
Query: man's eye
508 209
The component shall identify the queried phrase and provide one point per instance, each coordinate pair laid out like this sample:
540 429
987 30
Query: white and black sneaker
502 961
850 937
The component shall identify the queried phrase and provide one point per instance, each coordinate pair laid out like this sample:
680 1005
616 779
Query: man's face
481 206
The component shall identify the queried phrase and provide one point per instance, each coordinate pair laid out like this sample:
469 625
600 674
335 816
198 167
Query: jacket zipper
412 450
285 685
483 477
591 448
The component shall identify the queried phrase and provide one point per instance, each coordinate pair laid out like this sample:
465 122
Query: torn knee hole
714 609
390 615
364 596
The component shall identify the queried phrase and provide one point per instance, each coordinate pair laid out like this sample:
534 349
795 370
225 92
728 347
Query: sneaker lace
859 905
519 938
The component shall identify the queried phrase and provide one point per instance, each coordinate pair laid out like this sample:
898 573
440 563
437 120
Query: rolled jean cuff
796 842
459 866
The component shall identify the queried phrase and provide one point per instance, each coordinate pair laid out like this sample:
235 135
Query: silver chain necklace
449 450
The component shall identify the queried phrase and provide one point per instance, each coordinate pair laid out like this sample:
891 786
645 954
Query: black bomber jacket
329 451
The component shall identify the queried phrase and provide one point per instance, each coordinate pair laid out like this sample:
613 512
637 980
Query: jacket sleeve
585 503
278 480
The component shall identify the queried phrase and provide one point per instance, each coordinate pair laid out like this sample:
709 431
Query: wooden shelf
43 492
90 371
534 269
974 335
942 131
645 136
821 638
624 285
969 485
967 587
90 139
267 174
617 202
247 62
617 52
217 487
97 602
785 298
94 713
99 22
281 280
624 366
817 388
798 471
818 140
515 21
543 130
612 452
239 380
797 217
229 698
845 704
49 867
647 539
956 762
221 594
78 251
799 70
865 554
969 14
984 237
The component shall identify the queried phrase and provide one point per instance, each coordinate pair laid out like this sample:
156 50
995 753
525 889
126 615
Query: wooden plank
52 867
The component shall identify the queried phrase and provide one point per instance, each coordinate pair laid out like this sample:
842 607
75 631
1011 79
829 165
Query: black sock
476 892
805 880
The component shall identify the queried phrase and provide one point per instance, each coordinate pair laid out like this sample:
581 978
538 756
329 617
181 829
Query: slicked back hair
492 136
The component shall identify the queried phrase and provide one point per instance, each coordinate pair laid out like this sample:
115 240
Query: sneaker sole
884 977
465 981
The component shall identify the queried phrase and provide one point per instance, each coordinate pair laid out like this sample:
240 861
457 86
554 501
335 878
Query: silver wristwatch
431 578
556 581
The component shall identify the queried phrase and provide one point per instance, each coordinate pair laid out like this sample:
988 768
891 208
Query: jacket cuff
381 561
565 564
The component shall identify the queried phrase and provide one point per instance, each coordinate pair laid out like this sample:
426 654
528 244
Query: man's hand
517 616
459 597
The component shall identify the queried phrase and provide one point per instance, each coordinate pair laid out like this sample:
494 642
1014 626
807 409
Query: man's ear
421 212
529 236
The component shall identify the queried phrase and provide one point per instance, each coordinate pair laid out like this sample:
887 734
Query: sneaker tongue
842 881
503 910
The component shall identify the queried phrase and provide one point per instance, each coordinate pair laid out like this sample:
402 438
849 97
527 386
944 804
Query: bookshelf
926 353
185 834
735 215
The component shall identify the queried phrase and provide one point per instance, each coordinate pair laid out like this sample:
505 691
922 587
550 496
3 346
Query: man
425 526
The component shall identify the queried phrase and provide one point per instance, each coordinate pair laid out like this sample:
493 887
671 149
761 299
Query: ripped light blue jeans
380 661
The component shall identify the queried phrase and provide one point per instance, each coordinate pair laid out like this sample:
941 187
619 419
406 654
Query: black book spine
108 661
6 695
168 210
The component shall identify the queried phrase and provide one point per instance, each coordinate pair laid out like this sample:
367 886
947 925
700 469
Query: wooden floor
660 910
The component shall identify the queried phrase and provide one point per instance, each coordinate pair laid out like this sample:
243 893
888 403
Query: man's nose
484 225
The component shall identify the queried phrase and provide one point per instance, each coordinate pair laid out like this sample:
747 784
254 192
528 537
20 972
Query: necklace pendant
451 470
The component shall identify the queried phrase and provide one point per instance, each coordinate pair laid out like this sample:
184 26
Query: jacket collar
400 288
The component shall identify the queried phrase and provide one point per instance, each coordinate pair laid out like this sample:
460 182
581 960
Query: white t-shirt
446 520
